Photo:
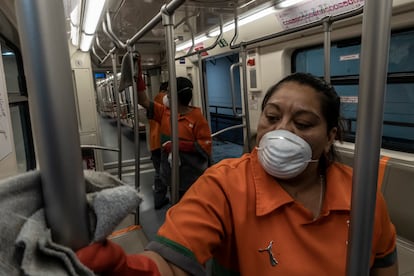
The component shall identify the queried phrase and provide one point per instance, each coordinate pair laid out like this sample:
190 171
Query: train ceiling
129 16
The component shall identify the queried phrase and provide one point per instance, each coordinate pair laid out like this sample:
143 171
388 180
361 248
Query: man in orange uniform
155 147
193 133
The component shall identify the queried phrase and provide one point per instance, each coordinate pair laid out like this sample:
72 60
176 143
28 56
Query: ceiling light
286 3
86 42
93 12
7 53
74 23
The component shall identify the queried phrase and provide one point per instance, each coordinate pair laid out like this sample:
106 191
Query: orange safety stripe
381 170
125 230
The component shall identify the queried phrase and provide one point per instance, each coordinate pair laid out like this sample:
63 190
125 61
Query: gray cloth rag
26 244
126 75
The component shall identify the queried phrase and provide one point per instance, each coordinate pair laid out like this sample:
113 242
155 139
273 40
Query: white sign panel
349 57
349 99
312 11
5 135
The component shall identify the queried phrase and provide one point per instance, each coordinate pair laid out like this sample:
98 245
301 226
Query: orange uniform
194 143
235 210
155 142
191 126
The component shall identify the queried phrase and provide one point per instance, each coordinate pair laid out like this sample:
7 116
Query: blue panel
399 98
401 54
100 75
345 60
218 83
310 61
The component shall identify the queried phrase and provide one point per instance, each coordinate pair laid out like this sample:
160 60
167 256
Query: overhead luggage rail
114 38
170 8
300 28
212 46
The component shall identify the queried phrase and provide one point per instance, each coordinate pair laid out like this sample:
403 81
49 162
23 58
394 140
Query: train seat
397 186
129 236
398 191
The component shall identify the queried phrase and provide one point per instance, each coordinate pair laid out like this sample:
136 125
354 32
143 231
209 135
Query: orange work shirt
155 140
235 210
192 126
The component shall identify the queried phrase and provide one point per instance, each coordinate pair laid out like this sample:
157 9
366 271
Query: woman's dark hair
184 90
329 99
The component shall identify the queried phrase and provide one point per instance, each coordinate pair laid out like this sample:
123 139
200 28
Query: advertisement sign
315 10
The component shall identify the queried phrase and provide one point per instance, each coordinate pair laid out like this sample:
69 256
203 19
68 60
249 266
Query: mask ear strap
184 89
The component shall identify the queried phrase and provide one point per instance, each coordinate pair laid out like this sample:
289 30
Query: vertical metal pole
168 22
204 95
327 27
118 117
136 129
243 54
373 68
51 94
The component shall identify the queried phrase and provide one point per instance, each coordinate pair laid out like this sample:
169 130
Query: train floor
149 218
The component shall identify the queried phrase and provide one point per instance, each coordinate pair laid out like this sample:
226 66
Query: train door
16 143
222 82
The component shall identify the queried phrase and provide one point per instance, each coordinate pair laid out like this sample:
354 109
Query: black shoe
161 203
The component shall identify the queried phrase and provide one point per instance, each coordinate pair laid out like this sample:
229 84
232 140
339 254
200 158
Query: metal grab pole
118 116
373 68
46 61
233 89
168 22
245 95
136 129
203 93
327 28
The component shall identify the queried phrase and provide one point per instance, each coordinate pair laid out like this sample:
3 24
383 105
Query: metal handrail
232 89
115 39
97 147
227 129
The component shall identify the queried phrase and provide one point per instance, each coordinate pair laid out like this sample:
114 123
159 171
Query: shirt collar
338 187
270 195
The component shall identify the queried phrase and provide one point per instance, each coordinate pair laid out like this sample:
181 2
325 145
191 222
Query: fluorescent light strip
227 27
6 54
86 42
287 3
75 23
93 12
74 34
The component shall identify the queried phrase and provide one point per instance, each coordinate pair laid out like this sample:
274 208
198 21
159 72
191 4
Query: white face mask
166 101
283 154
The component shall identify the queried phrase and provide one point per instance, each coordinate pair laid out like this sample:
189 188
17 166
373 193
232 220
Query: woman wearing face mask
283 209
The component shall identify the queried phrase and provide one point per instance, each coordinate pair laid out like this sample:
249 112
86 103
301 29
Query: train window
398 126
19 108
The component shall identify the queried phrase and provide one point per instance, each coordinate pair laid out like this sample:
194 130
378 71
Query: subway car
63 114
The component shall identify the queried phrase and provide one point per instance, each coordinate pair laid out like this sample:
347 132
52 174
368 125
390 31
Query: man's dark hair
164 86
184 90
